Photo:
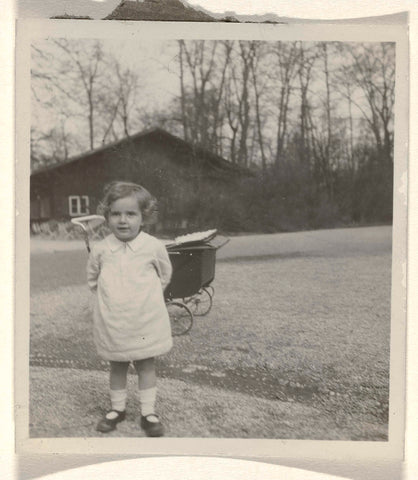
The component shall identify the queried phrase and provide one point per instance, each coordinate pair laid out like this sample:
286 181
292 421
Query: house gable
172 169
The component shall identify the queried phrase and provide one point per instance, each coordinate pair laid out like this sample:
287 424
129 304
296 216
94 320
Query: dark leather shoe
152 429
109 424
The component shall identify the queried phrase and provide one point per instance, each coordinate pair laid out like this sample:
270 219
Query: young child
128 272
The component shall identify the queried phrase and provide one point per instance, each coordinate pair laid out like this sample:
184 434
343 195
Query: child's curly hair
116 190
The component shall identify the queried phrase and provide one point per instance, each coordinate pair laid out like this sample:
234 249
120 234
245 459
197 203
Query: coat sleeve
163 265
93 269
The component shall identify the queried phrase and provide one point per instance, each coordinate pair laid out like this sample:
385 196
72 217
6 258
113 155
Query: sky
155 59
154 63
152 60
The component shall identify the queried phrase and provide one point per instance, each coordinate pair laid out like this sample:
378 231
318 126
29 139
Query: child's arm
163 265
93 269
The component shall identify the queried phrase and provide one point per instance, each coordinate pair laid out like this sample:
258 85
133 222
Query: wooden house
184 178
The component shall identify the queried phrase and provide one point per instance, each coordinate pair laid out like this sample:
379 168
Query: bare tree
88 86
231 111
323 144
118 103
244 104
85 69
287 56
184 118
238 101
218 112
257 55
306 60
372 71
205 81
50 146
200 59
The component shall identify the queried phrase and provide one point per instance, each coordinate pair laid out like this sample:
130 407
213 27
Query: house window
78 205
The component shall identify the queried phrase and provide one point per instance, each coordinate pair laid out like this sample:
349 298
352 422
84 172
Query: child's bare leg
118 374
147 383
147 377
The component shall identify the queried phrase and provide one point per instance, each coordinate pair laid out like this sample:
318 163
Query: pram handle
88 221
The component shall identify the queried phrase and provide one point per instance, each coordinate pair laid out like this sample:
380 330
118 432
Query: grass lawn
314 314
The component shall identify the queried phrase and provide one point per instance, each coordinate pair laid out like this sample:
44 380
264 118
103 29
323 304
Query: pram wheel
201 303
210 290
181 317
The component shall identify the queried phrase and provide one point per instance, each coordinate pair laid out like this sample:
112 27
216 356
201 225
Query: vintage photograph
211 228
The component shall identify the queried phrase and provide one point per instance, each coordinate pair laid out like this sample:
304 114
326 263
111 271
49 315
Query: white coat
130 317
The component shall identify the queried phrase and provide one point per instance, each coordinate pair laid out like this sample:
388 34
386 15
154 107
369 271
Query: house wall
41 201
167 170
81 178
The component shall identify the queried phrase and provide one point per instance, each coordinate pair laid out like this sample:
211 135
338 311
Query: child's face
125 218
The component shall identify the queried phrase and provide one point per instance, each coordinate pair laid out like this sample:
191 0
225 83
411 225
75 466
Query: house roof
216 162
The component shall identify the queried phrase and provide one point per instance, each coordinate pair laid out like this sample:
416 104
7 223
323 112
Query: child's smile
125 218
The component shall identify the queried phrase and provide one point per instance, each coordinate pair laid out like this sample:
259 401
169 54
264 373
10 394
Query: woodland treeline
313 121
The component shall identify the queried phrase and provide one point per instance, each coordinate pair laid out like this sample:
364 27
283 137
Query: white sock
147 398
118 399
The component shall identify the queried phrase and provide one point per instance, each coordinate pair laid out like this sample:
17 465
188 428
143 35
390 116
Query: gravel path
56 263
321 301
364 239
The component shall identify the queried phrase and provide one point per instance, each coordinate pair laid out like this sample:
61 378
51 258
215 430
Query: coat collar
115 244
